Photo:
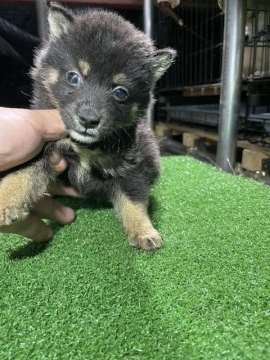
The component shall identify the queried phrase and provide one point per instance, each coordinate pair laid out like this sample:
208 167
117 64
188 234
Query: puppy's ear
162 60
59 19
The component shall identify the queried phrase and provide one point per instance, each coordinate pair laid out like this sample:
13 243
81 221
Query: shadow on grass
33 249
114 293
29 250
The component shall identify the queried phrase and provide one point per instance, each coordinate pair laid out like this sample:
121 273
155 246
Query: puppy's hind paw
148 241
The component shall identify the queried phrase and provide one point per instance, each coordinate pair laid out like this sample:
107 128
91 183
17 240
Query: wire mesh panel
256 67
198 38
196 31
257 41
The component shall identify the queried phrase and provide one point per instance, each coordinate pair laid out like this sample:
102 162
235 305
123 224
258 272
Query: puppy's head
99 71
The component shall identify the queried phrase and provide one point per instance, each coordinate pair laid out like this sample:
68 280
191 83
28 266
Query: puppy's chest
97 165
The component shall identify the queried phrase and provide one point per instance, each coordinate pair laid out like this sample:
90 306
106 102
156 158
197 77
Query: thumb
58 163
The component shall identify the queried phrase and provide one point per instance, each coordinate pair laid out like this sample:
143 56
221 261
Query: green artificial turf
204 295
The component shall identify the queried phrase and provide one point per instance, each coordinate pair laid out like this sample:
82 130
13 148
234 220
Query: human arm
23 133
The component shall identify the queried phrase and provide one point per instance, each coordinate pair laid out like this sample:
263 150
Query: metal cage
198 38
190 91
256 63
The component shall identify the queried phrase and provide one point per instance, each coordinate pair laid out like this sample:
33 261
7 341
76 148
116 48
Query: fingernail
68 215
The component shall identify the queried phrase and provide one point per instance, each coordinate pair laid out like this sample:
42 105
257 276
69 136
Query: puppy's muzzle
89 119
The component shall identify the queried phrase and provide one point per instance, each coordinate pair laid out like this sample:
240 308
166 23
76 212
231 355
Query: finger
50 124
48 208
32 228
58 163
59 188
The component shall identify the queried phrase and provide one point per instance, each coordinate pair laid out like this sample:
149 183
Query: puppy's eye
120 93
73 78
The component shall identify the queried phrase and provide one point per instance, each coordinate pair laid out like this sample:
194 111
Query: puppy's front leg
20 190
136 222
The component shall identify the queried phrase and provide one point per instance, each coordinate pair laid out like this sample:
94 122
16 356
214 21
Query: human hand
24 132
33 227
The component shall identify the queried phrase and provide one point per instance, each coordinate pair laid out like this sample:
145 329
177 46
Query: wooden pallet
253 156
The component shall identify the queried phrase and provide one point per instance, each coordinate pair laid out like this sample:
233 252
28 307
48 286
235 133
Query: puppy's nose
89 120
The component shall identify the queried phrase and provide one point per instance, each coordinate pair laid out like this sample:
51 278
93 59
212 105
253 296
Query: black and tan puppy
99 71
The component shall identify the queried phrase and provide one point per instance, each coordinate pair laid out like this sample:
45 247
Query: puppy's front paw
147 241
10 213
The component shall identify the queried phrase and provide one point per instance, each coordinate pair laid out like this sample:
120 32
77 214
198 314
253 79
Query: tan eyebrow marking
52 76
85 67
118 78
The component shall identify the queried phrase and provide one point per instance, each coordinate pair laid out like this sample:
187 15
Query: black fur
124 155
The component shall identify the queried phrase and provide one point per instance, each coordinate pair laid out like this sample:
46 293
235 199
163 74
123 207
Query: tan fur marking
19 191
84 165
137 224
14 190
52 76
134 110
84 156
119 78
85 67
